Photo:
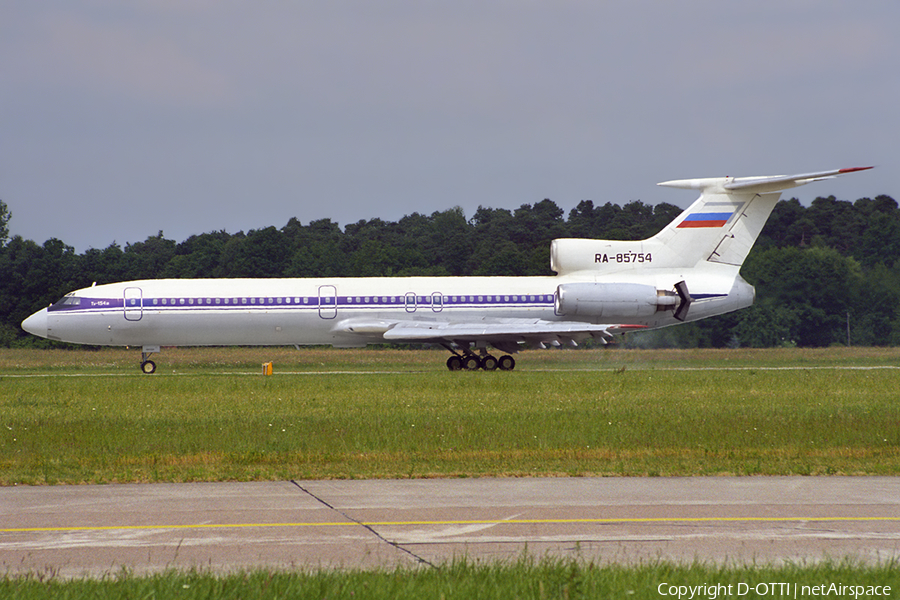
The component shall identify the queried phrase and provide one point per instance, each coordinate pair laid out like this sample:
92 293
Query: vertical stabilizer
722 225
741 232
719 227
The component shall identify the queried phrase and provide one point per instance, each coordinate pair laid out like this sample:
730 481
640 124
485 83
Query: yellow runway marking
452 522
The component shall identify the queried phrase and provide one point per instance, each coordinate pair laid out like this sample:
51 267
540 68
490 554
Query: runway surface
95 530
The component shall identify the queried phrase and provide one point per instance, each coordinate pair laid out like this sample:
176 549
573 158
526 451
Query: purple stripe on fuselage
72 303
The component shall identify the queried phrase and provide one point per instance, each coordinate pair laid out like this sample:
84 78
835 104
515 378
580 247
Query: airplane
688 271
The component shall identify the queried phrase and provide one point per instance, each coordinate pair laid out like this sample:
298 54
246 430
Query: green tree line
815 268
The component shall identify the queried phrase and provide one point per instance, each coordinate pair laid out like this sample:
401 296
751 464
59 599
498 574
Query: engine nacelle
613 301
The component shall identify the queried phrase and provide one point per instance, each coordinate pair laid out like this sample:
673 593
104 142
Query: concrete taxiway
96 530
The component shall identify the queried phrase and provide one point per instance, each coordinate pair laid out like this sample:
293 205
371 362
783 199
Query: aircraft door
410 302
134 304
327 301
437 302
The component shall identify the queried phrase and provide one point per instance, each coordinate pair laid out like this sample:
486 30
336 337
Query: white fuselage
343 312
687 271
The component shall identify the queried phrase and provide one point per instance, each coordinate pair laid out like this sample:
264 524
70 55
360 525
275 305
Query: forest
825 274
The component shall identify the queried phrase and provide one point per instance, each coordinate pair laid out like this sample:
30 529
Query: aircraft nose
36 324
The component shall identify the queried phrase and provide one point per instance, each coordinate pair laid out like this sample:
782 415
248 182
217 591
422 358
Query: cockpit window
67 302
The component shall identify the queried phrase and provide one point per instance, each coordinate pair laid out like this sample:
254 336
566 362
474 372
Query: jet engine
616 302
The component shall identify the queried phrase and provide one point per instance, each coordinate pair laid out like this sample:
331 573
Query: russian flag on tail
706 219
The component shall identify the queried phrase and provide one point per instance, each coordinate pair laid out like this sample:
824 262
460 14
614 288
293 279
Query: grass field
207 414
90 416
465 580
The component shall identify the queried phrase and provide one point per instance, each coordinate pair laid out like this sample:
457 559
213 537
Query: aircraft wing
504 334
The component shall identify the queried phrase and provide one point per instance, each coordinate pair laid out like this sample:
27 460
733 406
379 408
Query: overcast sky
121 119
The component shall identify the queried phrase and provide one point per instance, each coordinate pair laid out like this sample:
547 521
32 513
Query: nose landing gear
148 366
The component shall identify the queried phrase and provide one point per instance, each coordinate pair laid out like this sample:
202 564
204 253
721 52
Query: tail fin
720 227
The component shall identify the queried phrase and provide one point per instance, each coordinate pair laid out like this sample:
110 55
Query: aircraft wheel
471 363
148 367
489 363
507 363
454 363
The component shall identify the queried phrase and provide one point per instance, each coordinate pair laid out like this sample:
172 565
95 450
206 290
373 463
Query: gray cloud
191 117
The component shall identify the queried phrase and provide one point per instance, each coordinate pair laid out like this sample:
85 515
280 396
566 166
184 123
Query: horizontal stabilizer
757 185
771 184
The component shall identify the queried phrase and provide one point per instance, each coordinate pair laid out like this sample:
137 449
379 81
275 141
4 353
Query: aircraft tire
148 367
506 363
489 363
471 363
454 363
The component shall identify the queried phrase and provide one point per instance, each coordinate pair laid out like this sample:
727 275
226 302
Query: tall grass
464 579
204 425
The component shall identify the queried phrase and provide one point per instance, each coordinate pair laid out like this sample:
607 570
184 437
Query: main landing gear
469 361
